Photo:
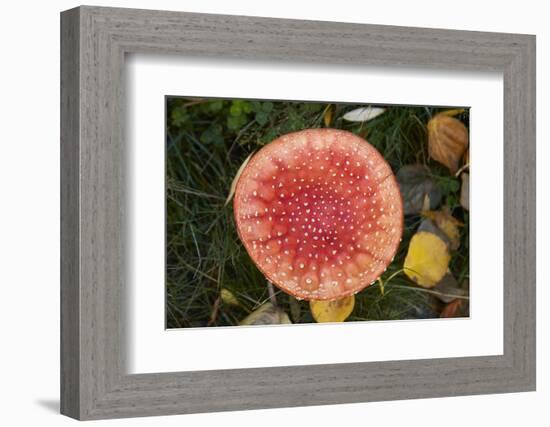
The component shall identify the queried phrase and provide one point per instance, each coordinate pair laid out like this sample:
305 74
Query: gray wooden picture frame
94 382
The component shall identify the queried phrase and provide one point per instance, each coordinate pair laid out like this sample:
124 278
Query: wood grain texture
70 313
94 271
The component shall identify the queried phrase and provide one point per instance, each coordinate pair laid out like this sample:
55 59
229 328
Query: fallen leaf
327 117
427 259
228 297
236 180
363 114
332 311
456 308
448 289
465 191
453 112
447 140
267 314
429 226
447 223
417 189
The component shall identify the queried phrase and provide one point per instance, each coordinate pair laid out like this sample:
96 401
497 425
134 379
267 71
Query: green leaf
267 107
236 109
235 122
247 108
261 118
212 135
179 117
448 185
256 106
216 106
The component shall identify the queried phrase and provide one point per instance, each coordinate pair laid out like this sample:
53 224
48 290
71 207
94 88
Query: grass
207 140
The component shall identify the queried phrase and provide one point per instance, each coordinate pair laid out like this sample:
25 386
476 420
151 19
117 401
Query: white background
29 233
153 349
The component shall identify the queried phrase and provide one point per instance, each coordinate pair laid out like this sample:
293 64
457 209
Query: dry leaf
363 114
448 224
332 311
465 191
456 308
418 189
236 179
453 112
327 117
427 259
447 140
267 314
448 289
428 225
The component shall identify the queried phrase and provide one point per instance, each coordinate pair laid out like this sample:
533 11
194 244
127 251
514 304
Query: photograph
294 212
255 209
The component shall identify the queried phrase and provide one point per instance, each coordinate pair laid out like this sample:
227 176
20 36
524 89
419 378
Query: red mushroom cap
320 213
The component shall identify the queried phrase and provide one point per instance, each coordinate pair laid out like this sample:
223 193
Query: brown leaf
447 289
456 308
453 112
447 140
418 189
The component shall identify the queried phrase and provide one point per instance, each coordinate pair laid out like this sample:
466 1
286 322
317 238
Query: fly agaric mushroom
319 212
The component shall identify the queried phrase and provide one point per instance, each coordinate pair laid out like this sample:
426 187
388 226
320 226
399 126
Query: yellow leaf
332 311
447 223
447 140
427 259
267 314
236 180
228 297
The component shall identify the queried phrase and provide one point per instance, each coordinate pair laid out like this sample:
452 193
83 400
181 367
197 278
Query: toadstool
319 212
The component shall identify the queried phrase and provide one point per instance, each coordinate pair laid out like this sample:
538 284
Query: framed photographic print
318 212
262 213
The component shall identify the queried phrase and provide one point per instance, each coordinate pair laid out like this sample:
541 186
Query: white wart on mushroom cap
320 213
